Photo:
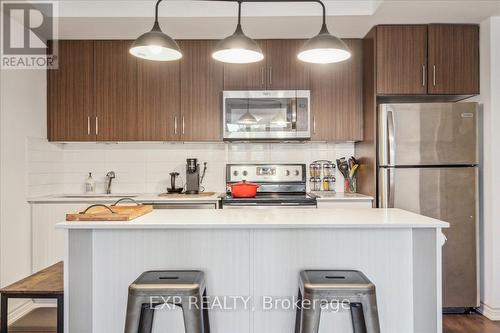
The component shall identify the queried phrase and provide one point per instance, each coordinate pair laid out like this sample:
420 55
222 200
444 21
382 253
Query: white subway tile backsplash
145 167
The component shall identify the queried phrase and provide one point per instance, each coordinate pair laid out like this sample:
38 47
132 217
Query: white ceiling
208 19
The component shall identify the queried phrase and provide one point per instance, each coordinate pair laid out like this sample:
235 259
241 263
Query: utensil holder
350 185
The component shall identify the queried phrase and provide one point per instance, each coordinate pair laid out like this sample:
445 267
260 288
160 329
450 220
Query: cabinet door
336 98
201 92
401 52
246 76
70 93
117 115
158 98
453 59
284 70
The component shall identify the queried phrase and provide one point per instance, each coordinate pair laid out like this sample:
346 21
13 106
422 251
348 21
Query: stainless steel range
282 186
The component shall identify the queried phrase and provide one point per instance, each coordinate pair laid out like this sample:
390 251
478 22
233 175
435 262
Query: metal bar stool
182 288
319 287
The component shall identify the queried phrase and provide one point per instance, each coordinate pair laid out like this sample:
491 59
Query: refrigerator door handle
391 152
386 189
390 187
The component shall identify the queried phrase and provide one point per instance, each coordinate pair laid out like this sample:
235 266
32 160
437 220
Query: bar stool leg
298 313
309 318
206 322
358 319
147 318
134 311
370 312
193 315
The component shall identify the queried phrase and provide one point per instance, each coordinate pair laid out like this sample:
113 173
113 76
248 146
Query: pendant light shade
324 49
155 44
238 48
247 119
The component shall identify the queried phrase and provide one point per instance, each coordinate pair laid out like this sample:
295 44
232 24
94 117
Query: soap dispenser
90 184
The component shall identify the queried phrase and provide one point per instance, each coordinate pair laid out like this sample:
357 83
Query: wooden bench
47 283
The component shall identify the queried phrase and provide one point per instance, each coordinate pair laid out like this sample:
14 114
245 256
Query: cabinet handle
183 125
96 125
423 75
270 75
175 125
434 75
262 76
88 125
314 124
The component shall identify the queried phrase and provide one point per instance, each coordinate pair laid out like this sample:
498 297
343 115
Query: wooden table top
47 281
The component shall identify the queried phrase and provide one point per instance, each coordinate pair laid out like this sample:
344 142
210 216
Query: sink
97 195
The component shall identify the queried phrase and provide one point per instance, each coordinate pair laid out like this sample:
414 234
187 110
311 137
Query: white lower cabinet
47 241
344 204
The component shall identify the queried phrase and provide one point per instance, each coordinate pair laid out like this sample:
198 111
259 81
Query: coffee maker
192 176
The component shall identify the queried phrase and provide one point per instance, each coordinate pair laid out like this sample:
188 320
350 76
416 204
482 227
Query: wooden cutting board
117 213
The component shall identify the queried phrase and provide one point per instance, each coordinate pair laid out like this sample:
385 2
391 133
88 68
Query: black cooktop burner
273 198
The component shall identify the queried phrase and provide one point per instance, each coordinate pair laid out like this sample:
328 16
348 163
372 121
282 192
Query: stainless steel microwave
267 114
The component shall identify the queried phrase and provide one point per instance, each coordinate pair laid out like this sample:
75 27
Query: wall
490 164
23 113
145 167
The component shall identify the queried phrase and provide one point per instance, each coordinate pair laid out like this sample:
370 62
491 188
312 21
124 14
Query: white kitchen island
256 253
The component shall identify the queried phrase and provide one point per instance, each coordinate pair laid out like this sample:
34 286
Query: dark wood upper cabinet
284 70
453 59
336 98
70 90
202 82
158 99
246 76
117 116
401 56
280 69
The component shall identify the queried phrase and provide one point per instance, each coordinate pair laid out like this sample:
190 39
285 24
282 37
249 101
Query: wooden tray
110 213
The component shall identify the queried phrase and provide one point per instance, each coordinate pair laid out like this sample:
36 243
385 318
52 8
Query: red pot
244 189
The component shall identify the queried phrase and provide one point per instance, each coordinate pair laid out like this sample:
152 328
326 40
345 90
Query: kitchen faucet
109 177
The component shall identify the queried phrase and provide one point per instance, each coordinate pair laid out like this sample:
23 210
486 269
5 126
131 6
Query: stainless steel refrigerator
428 164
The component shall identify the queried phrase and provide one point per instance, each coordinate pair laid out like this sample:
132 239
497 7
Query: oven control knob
297 172
235 173
287 172
245 173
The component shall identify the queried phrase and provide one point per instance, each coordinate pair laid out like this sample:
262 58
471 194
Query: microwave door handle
294 113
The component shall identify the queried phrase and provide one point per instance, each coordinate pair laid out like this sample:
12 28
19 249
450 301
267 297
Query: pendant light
324 48
247 118
238 48
156 45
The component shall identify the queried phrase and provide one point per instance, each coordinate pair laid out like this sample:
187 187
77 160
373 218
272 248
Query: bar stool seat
320 287
185 289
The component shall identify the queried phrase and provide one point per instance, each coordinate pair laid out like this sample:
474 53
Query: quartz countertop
340 196
140 197
268 219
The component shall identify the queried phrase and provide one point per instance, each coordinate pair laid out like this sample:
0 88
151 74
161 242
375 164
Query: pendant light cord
156 12
239 12
241 1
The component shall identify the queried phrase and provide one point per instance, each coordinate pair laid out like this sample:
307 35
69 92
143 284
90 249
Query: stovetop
280 184
272 198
